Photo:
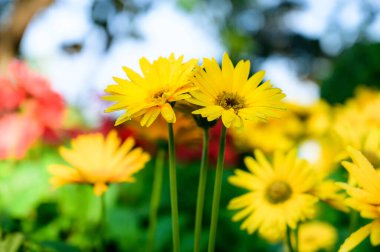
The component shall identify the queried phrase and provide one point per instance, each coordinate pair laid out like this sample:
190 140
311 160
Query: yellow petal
227 69
228 117
168 113
132 75
375 233
355 238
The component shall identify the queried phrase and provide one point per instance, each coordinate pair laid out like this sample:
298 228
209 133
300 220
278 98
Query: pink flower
17 133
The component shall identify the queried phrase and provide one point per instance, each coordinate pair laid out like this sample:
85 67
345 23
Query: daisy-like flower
98 160
228 93
278 194
164 81
365 198
317 236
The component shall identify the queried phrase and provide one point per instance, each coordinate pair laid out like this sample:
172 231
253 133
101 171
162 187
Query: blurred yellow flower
321 156
274 134
98 160
163 82
365 138
319 119
329 192
317 236
228 93
357 124
278 194
365 198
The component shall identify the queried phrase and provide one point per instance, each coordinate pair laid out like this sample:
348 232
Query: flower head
98 160
365 198
317 236
278 194
29 109
164 81
228 93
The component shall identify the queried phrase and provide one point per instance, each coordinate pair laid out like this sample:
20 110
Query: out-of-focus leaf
59 246
23 187
12 242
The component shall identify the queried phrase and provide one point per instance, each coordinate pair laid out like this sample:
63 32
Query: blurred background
310 49
80 45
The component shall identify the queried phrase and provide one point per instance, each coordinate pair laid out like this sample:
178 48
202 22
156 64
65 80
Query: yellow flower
278 194
365 198
365 138
98 160
164 81
329 192
319 119
228 93
275 134
316 236
357 124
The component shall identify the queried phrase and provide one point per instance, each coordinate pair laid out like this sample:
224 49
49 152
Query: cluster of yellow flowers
283 188
350 131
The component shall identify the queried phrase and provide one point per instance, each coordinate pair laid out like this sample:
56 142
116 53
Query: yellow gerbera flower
278 194
365 198
164 81
98 160
317 236
228 93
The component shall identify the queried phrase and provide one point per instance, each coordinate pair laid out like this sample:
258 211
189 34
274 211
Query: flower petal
168 113
355 238
228 117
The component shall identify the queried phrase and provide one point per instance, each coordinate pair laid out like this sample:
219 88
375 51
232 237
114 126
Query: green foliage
37 218
11 242
358 65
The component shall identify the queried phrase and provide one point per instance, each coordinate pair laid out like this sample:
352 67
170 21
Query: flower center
230 100
278 192
161 96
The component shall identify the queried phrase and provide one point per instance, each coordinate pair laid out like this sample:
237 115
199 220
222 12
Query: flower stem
102 224
173 189
289 239
296 236
217 190
201 192
155 199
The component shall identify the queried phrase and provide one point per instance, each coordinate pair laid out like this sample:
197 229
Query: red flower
11 95
29 109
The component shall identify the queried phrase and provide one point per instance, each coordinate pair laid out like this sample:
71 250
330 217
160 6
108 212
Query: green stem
155 199
289 239
296 236
217 190
201 192
173 189
102 224
354 220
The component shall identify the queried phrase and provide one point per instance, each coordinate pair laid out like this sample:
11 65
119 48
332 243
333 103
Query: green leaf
12 242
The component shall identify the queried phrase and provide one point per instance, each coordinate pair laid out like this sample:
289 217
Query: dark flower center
278 192
230 100
158 94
